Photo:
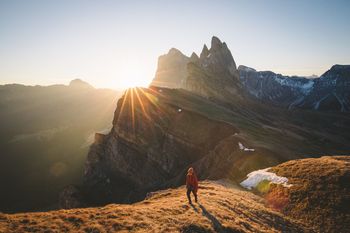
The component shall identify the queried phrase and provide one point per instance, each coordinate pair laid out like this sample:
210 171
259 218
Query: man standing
191 184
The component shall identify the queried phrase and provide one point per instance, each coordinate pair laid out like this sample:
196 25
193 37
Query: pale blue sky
117 43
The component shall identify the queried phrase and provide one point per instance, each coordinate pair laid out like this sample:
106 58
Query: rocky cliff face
172 70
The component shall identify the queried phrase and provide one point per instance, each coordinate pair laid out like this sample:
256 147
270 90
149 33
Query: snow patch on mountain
298 82
241 147
255 177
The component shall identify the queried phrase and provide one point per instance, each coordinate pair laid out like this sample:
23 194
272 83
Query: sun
132 74
123 82
131 81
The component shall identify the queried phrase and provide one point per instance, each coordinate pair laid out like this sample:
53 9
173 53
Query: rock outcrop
71 197
213 74
218 60
171 71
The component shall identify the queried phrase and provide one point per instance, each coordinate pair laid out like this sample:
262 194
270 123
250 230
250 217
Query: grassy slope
320 193
221 208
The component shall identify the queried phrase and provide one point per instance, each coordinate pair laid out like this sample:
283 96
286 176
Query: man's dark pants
189 190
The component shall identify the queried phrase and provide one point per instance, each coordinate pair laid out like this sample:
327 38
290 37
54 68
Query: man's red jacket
192 181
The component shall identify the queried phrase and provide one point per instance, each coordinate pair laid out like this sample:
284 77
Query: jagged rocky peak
205 52
216 43
213 74
218 59
194 57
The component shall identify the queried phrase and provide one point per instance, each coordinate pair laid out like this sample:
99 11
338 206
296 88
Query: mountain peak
340 67
205 52
79 83
246 68
215 43
176 70
175 51
171 69
218 59
337 71
194 57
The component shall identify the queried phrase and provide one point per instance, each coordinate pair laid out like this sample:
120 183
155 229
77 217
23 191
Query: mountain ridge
215 75
293 91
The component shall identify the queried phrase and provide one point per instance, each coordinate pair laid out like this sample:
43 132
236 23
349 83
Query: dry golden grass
320 194
221 208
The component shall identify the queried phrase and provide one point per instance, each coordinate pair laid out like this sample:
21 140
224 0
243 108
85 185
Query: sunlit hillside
220 209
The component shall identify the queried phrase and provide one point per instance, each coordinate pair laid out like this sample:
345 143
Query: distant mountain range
45 133
331 91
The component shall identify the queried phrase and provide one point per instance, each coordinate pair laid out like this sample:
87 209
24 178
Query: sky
116 44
